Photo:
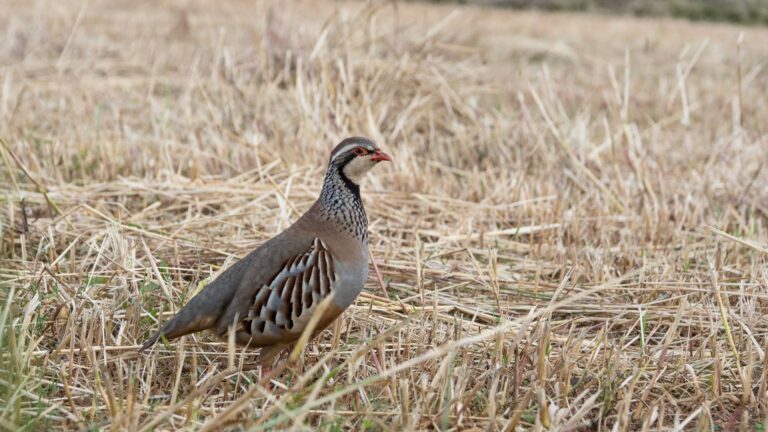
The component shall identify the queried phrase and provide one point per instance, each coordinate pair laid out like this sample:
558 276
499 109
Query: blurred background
573 230
737 11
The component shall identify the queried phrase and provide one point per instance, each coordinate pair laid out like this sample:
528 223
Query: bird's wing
281 309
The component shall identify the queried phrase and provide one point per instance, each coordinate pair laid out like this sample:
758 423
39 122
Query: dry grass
573 232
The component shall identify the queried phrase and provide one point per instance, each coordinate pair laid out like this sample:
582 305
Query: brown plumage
270 295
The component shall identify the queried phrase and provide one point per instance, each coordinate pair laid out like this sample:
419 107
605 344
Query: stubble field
572 233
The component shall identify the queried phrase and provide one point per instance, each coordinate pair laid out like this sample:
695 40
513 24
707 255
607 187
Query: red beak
379 156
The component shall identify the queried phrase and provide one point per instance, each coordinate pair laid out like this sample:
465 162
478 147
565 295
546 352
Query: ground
572 233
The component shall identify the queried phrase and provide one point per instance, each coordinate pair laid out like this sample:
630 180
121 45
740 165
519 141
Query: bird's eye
360 151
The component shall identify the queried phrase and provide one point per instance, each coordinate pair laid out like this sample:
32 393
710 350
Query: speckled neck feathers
340 204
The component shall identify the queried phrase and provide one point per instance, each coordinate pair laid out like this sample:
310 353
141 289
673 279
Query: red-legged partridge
269 297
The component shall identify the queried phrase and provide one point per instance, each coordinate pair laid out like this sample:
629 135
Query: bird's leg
270 356
265 370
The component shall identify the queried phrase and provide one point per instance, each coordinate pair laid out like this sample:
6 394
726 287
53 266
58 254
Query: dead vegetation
573 232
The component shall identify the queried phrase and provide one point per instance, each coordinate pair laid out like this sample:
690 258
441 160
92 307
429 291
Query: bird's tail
205 309
151 341
189 320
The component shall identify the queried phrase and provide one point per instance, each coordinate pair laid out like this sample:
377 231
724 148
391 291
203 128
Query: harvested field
573 232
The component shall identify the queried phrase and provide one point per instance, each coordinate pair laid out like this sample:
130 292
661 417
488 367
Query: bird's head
354 157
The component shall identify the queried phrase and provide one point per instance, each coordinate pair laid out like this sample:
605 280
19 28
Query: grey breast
351 274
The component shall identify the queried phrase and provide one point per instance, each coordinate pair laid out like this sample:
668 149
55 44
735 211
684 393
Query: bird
269 297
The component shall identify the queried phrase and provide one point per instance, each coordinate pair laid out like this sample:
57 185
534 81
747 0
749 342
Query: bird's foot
265 371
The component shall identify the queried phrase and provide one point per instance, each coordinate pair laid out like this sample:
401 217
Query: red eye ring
360 151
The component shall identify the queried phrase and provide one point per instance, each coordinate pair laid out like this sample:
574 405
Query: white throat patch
358 167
